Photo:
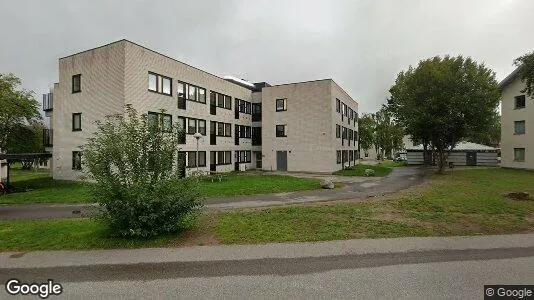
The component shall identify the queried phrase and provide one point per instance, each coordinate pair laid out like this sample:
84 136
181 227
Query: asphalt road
443 274
400 178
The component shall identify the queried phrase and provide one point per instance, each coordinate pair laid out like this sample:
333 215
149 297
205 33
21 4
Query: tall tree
525 64
366 131
388 134
18 107
443 101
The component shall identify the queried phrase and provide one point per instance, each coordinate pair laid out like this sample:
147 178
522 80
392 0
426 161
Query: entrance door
281 161
471 158
213 163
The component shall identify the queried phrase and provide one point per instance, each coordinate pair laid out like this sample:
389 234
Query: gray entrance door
281 160
471 158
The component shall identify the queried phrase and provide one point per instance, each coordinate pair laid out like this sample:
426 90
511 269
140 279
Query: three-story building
308 126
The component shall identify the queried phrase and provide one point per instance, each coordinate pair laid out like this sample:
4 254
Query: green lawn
381 169
39 187
467 202
64 234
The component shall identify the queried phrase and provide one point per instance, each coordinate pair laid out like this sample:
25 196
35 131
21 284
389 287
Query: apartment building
517 124
308 126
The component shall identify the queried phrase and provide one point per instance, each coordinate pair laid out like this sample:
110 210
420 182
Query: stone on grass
327 184
369 172
517 195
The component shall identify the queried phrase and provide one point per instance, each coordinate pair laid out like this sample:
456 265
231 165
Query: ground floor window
76 160
338 156
192 159
519 154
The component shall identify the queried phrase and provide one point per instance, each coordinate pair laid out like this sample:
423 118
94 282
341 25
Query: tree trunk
441 162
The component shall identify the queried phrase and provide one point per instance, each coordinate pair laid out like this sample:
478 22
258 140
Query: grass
381 169
467 202
236 184
39 187
65 234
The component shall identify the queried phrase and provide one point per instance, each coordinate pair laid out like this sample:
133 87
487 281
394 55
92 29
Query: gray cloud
360 44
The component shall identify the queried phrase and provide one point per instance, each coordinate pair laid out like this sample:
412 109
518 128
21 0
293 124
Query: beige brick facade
117 74
510 140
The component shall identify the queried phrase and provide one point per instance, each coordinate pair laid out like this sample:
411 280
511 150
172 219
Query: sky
362 45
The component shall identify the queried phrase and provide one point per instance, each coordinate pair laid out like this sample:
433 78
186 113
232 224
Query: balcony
48 102
47 137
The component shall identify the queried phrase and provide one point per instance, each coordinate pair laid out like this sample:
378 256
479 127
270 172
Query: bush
369 172
134 161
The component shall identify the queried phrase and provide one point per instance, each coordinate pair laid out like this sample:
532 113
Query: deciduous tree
444 100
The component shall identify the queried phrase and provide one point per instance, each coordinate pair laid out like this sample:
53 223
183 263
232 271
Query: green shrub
135 163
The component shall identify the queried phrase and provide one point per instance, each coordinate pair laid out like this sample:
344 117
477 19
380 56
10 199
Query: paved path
407 268
355 188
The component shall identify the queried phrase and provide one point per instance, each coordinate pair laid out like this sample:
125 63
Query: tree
490 137
136 167
525 64
26 139
18 107
387 134
366 131
443 101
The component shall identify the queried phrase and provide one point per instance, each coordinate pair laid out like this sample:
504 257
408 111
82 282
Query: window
159 84
338 131
192 93
167 85
227 129
191 159
201 95
228 102
248 106
281 130
202 158
519 154
167 123
77 83
181 126
243 156
165 119
338 105
202 127
181 95
256 136
77 122
220 158
256 112
153 82
338 156
281 104
220 100
220 129
520 102
228 157
76 160
344 133
519 127
192 128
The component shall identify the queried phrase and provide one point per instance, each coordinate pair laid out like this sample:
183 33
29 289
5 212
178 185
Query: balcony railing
48 102
47 137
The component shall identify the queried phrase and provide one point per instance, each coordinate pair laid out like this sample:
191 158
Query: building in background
464 154
307 126
517 124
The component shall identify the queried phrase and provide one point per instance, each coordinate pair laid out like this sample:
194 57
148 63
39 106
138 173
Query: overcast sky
362 45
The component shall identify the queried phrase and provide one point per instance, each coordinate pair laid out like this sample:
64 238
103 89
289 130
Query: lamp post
197 136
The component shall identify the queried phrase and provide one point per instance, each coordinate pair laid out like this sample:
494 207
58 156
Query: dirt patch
205 234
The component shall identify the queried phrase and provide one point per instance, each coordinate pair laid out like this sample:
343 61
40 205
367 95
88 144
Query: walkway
355 188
